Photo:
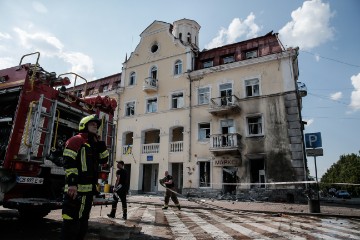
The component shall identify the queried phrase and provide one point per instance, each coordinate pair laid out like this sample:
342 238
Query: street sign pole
317 182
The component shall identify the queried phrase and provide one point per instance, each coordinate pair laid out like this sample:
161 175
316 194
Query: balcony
176 146
225 143
150 148
150 85
224 105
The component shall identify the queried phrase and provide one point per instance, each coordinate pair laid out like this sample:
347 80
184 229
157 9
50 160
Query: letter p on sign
313 140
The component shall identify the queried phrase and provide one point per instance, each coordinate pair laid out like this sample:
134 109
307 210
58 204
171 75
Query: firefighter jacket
81 162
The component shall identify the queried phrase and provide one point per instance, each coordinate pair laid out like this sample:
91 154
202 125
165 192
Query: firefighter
170 191
82 155
120 191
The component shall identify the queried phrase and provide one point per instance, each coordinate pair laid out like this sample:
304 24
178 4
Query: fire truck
38 113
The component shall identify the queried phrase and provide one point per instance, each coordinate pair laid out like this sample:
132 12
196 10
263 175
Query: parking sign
313 140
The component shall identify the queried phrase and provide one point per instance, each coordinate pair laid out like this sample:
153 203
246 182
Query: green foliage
345 171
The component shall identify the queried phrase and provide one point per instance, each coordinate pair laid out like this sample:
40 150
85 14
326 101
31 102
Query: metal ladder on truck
40 117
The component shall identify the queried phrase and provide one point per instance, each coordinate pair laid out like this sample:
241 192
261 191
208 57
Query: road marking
178 228
244 231
215 232
148 220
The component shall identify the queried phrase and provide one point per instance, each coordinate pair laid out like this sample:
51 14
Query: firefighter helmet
86 120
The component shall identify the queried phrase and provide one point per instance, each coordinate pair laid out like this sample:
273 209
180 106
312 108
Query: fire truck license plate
30 180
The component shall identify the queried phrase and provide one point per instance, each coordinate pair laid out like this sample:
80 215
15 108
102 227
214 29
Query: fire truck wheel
33 213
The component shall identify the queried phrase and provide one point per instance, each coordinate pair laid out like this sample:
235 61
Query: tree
344 174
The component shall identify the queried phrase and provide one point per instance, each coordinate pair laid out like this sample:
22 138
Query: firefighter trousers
169 194
75 215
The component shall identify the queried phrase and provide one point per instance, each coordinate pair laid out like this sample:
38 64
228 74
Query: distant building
223 120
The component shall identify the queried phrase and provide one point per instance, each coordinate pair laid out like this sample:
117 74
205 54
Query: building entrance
229 180
150 178
177 173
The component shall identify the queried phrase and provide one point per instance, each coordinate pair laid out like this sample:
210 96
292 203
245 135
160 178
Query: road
151 222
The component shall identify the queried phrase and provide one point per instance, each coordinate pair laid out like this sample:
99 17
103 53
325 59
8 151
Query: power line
331 59
327 98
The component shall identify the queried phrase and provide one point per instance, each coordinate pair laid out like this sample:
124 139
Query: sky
92 38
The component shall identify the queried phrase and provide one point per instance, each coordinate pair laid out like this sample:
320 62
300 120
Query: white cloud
6 62
310 26
235 31
355 95
81 63
4 36
336 96
309 121
39 41
39 7
50 46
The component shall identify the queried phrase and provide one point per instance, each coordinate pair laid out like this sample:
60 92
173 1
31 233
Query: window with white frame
203 95
251 54
130 108
255 125
226 94
208 63
132 79
252 87
205 174
204 131
177 100
151 105
228 59
178 67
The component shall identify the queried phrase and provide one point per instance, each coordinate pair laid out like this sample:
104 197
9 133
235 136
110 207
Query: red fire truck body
37 116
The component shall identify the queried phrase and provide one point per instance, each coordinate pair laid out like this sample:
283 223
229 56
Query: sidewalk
326 209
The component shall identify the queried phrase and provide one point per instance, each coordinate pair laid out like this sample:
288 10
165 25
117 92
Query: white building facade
222 121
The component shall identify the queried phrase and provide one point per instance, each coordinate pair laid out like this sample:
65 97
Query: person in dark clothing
120 191
82 155
170 191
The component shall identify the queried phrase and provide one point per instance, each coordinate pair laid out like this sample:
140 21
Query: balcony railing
150 85
127 149
176 146
150 148
224 105
225 142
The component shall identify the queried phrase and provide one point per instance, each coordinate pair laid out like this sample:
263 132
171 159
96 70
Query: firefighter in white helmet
82 155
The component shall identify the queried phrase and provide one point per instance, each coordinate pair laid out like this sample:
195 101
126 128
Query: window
116 84
254 125
154 47
151 105
153 73
203 95
177 100
252 87
132 79
104 88
204 174
204 131
130 109
178 67
251 54
90 91
208 63
226 94
78 93
228 59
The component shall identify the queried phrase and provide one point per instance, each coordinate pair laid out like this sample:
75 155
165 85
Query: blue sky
92 39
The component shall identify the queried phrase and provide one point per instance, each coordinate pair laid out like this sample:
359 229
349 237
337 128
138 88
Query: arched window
132 79
178 67
153 72
189 37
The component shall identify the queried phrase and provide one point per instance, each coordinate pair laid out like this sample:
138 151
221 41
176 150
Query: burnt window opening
205 174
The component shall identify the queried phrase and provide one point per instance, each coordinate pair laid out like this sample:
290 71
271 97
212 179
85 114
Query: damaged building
223 121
